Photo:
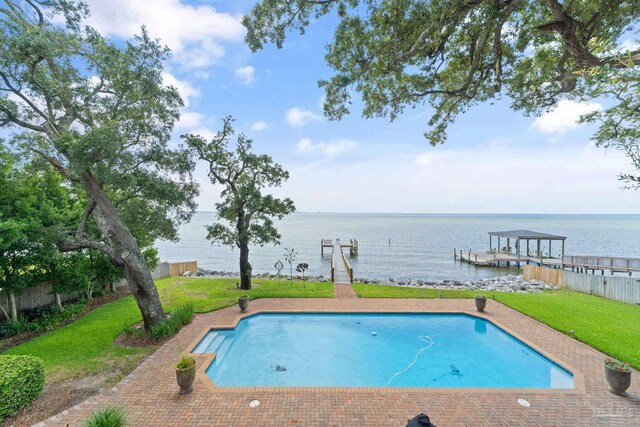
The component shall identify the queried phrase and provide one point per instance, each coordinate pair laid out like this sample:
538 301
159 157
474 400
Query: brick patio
150 395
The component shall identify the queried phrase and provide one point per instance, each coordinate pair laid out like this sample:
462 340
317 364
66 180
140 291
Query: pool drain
254 403
524 403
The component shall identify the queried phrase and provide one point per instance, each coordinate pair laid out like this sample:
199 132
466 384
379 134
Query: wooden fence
179 268
624 289
43 294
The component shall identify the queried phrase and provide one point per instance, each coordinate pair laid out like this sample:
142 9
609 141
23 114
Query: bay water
405 246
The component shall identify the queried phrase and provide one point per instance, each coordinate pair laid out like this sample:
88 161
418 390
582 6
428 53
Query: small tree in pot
618 376
186 374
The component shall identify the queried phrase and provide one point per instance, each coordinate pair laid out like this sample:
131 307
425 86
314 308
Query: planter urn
185 378
481 303
243 302
618 377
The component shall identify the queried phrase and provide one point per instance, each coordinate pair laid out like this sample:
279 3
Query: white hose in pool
425 338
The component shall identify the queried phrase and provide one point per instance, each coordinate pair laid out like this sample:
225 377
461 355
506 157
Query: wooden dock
581 263
341 271
330 243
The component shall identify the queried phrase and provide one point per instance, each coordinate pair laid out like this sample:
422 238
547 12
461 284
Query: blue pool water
376 350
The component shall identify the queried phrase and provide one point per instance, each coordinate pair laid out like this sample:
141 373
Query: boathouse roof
526 235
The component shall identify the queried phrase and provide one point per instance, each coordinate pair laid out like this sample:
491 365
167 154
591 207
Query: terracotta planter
481 303
244 304
619 381
185 378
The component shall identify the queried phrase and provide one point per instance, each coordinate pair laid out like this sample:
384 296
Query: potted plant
186 374
481 302
618 376
243 302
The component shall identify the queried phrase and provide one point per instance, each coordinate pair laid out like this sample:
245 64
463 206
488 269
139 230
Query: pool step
222 349
210 343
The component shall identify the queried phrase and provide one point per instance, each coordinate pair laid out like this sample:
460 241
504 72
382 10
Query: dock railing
348 267
333 270
612 264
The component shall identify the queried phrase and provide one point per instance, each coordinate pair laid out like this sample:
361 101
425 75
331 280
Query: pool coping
206 359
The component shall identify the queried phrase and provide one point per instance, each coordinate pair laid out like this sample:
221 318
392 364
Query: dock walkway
341 271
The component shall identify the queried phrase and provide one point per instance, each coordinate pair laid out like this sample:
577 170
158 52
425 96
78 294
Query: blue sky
495 160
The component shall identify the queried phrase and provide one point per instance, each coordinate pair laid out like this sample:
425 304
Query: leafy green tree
28 209
99 113
453 54
243 176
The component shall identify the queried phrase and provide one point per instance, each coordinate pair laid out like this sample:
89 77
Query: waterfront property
150 394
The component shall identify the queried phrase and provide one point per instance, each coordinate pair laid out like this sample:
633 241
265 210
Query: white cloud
424 160
185 88
629 45
193 32
246 74
260 125
564 116
189 120
297 116
328 149
207 134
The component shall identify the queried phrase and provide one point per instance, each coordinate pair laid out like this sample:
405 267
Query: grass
86 346
609 326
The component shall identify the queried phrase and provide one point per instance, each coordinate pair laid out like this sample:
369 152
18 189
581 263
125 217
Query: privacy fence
43 294
625 289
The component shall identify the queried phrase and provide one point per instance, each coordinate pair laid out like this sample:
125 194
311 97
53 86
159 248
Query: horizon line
451 213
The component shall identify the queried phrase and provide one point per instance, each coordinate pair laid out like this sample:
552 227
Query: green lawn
86 345
609 326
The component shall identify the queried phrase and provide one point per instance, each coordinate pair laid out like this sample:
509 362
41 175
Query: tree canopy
99 113
243 176
453 54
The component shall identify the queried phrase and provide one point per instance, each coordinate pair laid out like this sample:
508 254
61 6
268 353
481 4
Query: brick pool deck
150 394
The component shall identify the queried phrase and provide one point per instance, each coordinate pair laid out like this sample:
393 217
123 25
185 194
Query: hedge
21 382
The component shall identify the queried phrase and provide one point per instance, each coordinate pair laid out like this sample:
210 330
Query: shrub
183 314
109 416
21 382
172 324
186 362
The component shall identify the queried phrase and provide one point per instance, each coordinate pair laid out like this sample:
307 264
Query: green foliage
186 362
21 382
178 318
109 416
41 319
32 202
99 114
243 176
453 54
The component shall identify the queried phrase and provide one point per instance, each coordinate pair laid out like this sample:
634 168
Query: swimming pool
375 350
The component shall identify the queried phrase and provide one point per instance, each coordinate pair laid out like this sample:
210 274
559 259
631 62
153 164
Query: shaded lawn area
609 326
86 346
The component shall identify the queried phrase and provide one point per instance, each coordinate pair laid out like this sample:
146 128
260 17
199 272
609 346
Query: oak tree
243 176
453 54
99 113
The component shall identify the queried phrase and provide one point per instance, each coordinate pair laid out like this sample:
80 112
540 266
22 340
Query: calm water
421 244
376 350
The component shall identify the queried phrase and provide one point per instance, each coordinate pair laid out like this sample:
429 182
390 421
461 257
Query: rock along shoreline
508 283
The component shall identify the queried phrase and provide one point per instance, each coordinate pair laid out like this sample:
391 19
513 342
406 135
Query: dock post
321 247
469 256
455 256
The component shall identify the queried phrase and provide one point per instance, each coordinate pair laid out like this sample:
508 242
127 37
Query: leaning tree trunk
245 268
13 310
125 253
